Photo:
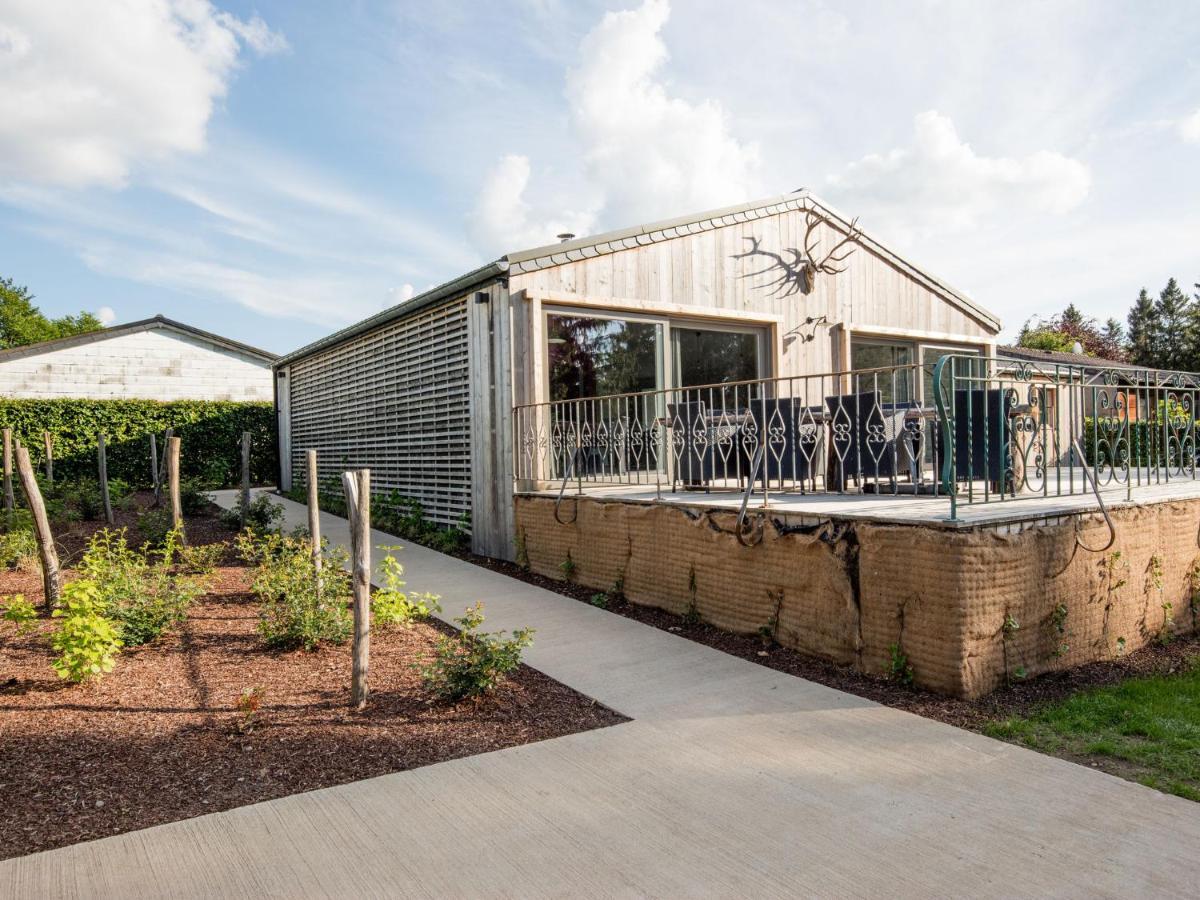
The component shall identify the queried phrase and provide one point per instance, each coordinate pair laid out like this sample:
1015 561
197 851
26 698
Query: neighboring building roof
160 323
640 235
1061 358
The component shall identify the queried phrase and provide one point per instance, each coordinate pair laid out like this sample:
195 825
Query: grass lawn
1144 729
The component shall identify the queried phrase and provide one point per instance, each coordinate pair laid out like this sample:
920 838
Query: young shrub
87 643
193 496
899 668
154 525
21 613
300 608
263 514
470 662
19 549
139 590
200 559
391 605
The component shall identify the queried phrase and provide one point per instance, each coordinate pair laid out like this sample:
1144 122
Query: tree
22 323
1173 310
1144 331
1061 333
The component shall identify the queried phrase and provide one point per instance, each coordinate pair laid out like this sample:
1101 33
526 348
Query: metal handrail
1112 529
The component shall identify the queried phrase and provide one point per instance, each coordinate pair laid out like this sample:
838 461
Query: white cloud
504 220
88 91
939 182
1189 128
107 315
646 153
651 153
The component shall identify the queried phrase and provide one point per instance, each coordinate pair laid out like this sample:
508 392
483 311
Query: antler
828 265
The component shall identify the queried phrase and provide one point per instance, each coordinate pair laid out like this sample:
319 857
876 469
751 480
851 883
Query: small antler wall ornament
795 271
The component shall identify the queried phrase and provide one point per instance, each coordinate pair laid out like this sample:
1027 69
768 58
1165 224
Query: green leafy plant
87 642
1166 632
600 600
406 518
899 668
391 604
200 559
617 591
469 662
301 607
262 514
1058 623
154 525
568 568
140 590
21 613
193 495
18 547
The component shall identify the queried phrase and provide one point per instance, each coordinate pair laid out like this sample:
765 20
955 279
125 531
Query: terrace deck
907 509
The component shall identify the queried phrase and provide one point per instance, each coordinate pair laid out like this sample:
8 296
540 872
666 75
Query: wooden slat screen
395 400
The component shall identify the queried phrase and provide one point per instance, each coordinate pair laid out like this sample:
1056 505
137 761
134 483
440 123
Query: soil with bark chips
163 737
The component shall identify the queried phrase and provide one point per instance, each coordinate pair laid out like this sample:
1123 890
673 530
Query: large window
597 357
895 385
705 356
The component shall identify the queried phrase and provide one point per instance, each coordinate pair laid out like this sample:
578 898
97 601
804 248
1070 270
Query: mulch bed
162 738
1020 698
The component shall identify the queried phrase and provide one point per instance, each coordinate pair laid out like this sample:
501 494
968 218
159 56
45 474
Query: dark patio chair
792 435
982 437
868 440
707 444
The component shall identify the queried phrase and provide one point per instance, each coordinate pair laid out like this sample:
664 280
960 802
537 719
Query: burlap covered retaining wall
849 591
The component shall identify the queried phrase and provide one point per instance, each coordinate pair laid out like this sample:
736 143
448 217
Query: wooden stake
172 449
103 453
49 442
9 500
245 475
162 464
154 469
314 511
51 579
358 505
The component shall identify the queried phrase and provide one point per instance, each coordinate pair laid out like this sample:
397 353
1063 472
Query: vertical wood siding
395 400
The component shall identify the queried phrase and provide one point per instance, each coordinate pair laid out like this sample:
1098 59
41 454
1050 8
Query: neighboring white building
153 359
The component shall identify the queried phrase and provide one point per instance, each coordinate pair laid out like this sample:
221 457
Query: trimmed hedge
210 431
1147 442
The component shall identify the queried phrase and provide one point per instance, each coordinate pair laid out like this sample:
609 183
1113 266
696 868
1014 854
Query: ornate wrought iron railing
1016 429
970 429
845 432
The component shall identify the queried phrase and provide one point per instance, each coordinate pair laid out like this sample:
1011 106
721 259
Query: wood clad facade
425 398
705 274
395 400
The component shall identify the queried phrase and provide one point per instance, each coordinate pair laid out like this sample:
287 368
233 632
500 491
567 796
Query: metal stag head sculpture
795 271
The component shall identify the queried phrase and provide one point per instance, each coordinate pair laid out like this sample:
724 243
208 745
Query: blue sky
273 171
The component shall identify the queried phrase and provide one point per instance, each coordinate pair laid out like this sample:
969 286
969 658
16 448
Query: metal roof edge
408 307
158 321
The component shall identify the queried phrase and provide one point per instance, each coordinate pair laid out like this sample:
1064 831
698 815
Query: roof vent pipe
565 236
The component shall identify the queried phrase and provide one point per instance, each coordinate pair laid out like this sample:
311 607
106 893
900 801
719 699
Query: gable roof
550 255
157 323
667 229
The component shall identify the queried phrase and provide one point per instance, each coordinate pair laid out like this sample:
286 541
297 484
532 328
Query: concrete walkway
733 780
